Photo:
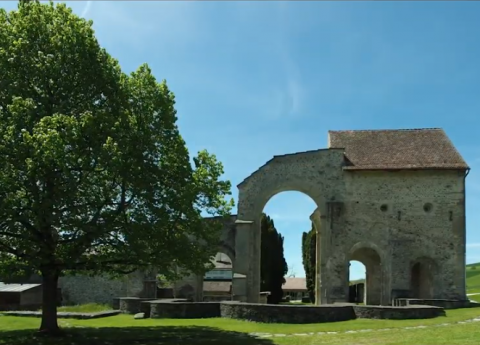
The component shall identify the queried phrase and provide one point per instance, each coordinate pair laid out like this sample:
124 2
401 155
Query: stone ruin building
391 199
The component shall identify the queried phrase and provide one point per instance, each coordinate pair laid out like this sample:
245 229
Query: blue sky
257 79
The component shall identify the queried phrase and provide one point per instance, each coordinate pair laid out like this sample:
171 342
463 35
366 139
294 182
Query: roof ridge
415 148
389 130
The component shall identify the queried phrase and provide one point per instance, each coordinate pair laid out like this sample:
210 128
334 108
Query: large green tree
309 252
273 266
95 176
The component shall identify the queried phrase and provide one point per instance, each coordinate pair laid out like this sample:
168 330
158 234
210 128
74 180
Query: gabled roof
295 284
425 148
16 287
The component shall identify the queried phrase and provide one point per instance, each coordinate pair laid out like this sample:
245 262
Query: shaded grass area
123 330
167 335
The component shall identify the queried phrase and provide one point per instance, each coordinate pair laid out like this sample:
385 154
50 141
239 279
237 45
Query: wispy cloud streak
86 9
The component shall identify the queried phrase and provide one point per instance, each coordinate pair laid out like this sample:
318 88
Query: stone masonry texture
398 207
393 200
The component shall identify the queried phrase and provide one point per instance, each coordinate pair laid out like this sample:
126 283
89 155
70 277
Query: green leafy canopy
95 176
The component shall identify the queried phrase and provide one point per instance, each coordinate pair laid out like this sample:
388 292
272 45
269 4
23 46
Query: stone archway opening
422 279
357 274
316 173
289 212
217 283
370 258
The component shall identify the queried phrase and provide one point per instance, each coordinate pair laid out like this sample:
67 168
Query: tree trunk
49 323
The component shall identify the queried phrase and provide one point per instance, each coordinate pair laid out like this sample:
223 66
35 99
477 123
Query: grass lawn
123 329
473 278
475 298
85 308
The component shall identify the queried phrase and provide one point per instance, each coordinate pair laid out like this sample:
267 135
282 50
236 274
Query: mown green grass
17 323
123 330
85 308
473 278
466 334
475 298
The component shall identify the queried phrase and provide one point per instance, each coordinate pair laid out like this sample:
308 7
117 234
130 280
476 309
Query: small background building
217 283
295 288
20 296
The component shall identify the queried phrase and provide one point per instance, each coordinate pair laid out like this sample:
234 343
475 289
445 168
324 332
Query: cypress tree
309 249
273 265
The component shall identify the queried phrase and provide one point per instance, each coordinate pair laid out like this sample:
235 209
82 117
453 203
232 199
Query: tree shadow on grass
164 335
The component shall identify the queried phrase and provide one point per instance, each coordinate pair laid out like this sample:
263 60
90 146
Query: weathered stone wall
407 216
443 303
388 220
184 310
81 289
269 313
397 313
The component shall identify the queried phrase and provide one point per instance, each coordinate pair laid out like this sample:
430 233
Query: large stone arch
317 174
373 258
423 271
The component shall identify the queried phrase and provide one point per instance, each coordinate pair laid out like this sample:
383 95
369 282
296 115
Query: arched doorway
356 278
286 217
369 256
422 275
310 173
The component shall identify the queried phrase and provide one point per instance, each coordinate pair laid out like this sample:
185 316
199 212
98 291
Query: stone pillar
247 260
239 287
315 218
374 284
322 225
333 268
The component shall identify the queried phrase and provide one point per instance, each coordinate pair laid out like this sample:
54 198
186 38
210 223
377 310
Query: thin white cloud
86 9
473 245
293 89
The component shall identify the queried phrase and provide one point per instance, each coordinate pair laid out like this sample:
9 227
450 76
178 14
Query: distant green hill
473 278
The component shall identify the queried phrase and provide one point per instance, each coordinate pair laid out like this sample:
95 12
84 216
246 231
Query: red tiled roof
295 284
427 148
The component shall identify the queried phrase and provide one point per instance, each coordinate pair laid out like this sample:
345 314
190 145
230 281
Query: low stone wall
398 313
130 305
442 303
178 309
270 313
